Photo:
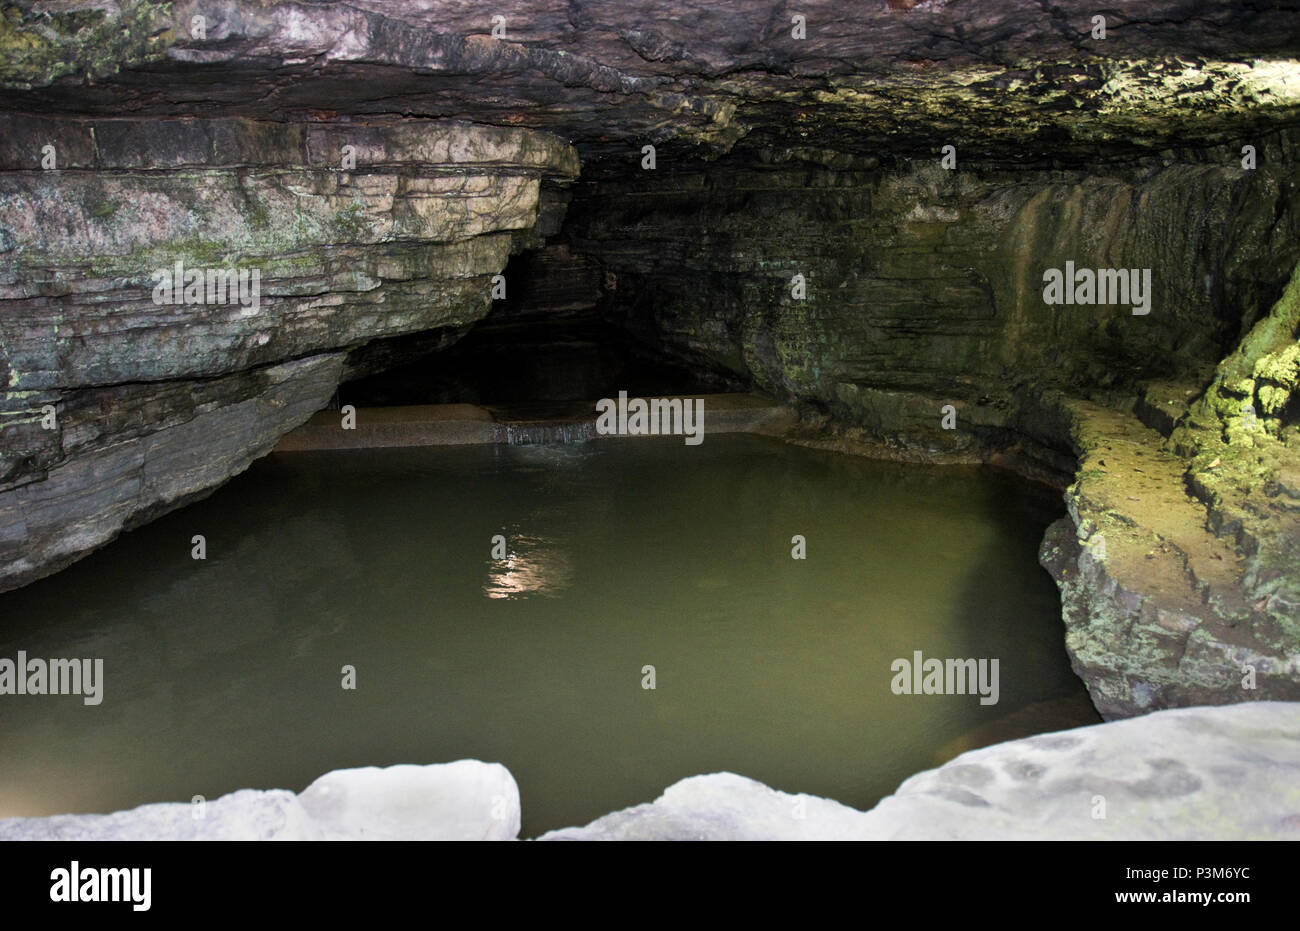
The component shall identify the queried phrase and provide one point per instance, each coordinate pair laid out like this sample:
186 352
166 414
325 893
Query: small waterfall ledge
471 424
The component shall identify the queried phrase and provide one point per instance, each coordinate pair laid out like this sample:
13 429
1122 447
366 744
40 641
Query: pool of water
620 554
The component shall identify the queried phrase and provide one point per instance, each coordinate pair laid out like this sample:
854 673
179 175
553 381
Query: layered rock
1243 439
1228 773
1018 81
1177 567
924 287
123 399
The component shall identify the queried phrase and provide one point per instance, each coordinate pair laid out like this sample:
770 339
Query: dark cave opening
546 351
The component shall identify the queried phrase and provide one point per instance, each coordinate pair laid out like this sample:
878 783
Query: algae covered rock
1178 565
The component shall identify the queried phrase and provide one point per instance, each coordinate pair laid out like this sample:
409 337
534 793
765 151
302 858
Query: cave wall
119 405
924 286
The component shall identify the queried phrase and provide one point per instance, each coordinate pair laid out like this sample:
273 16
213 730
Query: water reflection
532 566
226 673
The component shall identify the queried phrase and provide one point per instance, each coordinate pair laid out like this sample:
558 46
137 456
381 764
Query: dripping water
544 433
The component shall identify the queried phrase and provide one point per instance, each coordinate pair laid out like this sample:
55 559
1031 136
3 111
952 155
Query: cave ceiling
1015 83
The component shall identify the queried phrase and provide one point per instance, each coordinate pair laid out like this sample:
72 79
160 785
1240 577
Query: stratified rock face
128 385
880 296
465 800
404 238
1019 80
1229 773
131 453
1177 567
1243 438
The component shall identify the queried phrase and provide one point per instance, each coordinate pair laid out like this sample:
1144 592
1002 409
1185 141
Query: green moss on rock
37 47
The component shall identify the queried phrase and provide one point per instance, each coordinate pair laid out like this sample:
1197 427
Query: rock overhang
1013 83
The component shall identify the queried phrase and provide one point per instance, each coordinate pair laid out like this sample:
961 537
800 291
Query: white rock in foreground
1212 773
465 800
724 806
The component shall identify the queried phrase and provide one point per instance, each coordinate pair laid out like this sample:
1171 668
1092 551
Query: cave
543 352
620 420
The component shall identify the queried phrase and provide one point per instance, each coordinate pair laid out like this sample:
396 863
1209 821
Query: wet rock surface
924 287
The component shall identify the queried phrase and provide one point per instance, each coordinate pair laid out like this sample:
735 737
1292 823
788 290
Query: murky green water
225 673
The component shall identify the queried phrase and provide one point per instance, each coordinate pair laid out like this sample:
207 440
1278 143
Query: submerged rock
465 800
1229 773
